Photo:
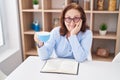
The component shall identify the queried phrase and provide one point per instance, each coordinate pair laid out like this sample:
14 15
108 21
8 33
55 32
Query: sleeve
46 50
81 48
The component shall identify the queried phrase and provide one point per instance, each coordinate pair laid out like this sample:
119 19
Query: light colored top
89 70
77 47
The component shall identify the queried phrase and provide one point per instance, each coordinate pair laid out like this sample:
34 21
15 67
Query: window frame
1 32
4 26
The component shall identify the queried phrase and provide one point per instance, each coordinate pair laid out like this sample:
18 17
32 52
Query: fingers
38 41
35 38
78 24
81 23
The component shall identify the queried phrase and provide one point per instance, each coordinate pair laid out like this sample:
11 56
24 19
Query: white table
94 70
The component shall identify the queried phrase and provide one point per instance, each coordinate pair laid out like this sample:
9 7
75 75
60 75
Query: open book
61 65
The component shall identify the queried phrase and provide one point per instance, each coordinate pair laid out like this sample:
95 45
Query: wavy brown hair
63 29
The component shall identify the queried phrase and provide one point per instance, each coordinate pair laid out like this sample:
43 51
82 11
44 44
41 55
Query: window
1 32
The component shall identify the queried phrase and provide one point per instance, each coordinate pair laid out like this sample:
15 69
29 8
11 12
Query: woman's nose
72 23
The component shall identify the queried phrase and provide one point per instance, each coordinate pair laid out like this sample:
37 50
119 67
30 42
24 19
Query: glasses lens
76 19
68 19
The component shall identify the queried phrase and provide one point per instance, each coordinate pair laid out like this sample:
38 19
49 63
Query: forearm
78 53
46 50
80 49
43 53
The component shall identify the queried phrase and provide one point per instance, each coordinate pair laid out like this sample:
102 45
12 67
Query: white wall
14 52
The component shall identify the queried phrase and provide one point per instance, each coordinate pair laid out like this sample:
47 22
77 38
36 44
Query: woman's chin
71 28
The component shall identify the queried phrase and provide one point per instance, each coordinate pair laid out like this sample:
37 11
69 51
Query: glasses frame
72 19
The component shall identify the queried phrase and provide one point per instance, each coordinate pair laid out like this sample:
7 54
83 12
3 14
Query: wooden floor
98 58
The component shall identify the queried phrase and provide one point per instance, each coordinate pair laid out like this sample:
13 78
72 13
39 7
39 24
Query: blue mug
43 36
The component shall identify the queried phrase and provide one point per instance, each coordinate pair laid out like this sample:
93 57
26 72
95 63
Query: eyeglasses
75 19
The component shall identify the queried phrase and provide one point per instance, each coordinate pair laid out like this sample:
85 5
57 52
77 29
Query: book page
60 65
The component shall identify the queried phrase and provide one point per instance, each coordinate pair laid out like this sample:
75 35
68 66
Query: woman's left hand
77 28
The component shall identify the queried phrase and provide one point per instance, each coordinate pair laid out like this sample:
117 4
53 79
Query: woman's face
72 17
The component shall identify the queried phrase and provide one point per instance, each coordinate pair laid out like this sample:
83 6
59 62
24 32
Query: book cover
61 65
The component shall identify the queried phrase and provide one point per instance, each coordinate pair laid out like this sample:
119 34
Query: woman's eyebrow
74 16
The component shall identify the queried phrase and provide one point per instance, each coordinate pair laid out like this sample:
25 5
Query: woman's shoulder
86 33
56 33
56 29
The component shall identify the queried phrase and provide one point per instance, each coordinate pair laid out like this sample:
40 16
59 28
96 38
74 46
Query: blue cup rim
43 34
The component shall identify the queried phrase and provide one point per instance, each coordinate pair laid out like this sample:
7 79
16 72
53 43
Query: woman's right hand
40 43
